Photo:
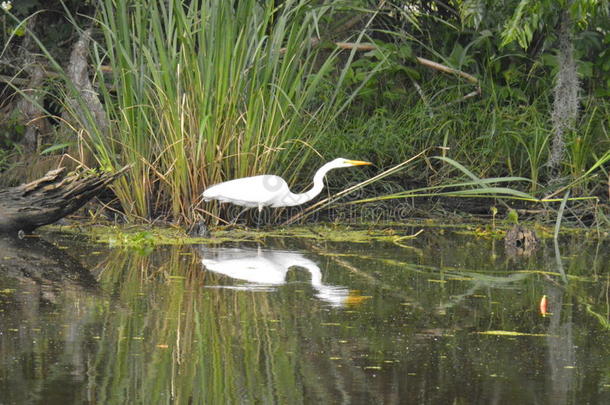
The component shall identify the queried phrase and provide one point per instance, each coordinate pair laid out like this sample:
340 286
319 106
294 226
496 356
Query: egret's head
341 162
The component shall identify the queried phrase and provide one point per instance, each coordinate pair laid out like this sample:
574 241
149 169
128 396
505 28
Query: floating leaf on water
511 333
372 367
547 273
342 341
330 324
138 338
162 346
7 291
335 358
543 305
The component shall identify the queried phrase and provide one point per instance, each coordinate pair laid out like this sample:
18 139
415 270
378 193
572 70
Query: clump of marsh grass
207 91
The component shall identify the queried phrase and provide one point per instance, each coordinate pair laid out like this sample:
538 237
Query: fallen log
49 198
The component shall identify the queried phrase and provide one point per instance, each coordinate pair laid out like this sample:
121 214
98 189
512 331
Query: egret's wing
249 191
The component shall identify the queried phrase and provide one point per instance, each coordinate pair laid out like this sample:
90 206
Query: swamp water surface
446 318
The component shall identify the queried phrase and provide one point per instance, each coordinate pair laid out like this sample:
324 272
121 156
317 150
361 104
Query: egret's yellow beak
354 298
357 162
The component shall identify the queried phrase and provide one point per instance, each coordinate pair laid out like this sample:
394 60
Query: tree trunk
83 102
31 102
44 201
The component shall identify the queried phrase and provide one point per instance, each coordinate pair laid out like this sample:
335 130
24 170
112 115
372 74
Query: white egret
270 190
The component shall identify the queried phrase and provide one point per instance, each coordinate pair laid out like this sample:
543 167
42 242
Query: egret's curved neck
318 185
314 270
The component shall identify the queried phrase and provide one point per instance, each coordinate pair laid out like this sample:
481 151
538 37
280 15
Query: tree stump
520 241
53 196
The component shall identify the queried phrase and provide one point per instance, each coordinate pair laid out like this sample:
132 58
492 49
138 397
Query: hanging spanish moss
565 92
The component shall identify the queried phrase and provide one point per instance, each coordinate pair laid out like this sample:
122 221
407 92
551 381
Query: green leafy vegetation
197 93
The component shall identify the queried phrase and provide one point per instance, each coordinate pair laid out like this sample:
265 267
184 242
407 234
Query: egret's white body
271 191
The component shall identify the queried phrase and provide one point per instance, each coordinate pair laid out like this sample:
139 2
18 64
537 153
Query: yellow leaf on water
510 333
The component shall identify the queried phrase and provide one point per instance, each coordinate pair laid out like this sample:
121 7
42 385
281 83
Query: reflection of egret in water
266 269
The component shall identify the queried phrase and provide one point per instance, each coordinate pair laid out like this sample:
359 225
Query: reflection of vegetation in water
175 339
166 331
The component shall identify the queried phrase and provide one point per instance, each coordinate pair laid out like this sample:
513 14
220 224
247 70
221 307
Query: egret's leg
260 210
239 215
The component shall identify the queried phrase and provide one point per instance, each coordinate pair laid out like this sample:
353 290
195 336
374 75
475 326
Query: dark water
444 319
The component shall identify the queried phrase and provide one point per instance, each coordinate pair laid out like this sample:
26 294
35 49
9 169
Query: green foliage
512 216
11 131
211 90
526 20
381 74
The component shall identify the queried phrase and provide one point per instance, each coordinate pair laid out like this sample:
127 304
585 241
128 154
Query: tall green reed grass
206 91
